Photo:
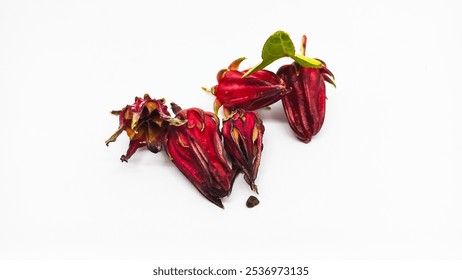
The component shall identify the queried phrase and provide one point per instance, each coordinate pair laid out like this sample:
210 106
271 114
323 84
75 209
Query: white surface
380 180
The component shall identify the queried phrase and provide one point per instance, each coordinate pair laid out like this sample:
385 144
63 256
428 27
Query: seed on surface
252 201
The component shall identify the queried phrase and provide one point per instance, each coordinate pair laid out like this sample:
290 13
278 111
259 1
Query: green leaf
280 45
277 46
305 61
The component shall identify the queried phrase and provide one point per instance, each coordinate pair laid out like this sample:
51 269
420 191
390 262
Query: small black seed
252 201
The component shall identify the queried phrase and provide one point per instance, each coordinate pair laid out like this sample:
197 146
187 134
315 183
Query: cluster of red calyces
193 140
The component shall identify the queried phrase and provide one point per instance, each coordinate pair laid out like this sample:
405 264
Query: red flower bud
193 142
243 134
145 122
305 105
253 92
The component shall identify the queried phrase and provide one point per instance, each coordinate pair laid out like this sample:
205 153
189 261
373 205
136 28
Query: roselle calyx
243 140
145 122
258 90
305 105
194 144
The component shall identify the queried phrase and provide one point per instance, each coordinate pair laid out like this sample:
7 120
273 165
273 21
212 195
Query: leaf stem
303 47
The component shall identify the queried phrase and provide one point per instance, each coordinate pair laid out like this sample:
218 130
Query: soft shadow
274 113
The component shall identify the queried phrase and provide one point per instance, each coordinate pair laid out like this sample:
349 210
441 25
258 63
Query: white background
380 181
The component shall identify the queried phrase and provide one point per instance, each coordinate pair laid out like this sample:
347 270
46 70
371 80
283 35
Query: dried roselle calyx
145 122
243 134
193 142
258 90
305 105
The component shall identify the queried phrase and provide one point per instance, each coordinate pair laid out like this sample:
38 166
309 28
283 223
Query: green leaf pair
280 45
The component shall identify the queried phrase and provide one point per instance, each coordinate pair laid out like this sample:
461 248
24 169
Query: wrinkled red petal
132 147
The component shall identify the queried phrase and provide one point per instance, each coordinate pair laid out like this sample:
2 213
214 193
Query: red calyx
145 122
243 141
305 105
193 142
253 92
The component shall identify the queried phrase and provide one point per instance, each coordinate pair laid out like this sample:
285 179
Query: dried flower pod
145 122
258 90
193 142
305 105
243 140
